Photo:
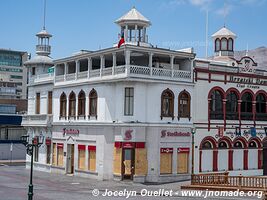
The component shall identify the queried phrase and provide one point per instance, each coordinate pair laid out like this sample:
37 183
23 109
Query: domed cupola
133 28
41 63
224 43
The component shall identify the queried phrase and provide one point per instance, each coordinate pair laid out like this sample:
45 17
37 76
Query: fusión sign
165 133
70 131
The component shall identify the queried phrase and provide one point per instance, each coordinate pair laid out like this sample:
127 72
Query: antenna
224 14
207 30
44 14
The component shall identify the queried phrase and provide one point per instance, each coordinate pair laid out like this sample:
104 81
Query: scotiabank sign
70 131
165 133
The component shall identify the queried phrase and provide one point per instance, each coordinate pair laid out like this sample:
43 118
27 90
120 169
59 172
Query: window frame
186 113
72 104
63 105
37 103
93 98
171 104
81 103
129 101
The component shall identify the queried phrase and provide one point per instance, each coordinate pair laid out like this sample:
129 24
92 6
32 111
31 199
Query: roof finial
224 14
44 14
247 50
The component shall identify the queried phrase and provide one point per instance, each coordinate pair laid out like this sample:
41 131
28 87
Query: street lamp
193 131
36 142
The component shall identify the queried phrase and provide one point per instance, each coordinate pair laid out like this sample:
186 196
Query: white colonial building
230 111
116 113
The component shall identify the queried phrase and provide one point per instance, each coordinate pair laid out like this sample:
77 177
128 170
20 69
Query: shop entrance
70 158
128 163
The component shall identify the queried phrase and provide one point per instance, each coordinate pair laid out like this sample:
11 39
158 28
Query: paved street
14 182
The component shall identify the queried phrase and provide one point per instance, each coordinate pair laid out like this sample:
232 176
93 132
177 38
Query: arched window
224 44
216 105
72 104
252 144
230 44
231 106
184 104
207 145
217 44
81 104
261 113
93 103
167 103
238 145
222 145
246 106
63 105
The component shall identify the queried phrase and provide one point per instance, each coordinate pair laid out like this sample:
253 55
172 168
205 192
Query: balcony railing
261 116
130 71
43 48
42 78
37 120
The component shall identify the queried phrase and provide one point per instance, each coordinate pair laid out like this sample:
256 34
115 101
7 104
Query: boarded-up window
166 160
92 158
140 159
117 158
81 157
60 154
182 160
54 154
50 97
37 106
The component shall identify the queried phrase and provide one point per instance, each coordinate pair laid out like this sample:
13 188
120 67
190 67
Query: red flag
121 41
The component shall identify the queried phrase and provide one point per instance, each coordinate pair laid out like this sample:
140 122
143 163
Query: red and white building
230 111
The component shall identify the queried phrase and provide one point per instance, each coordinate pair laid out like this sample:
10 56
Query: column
65 70
230 159
215 160
102 63
260 158
126 34
77 63
144 35
114 62
254 111
150 62
174 161
171 61
135 33
89 63
67 109
245 159
239 111
127 54
224 113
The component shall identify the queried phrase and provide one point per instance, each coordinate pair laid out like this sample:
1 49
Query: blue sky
89 24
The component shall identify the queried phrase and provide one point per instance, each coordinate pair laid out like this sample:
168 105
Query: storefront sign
128 134
166 150
247 80
128 145
165 133
70 131
183 150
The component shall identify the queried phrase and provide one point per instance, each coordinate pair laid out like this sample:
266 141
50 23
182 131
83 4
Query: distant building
13 103
231 119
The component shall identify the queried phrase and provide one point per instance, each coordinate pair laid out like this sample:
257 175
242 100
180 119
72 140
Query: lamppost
193 131
36 142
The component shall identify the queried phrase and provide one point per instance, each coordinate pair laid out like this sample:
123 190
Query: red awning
140 145
92 148
183 150
60 145
81 147
166 150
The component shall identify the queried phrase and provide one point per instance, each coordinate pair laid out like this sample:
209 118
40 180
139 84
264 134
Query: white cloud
225 10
